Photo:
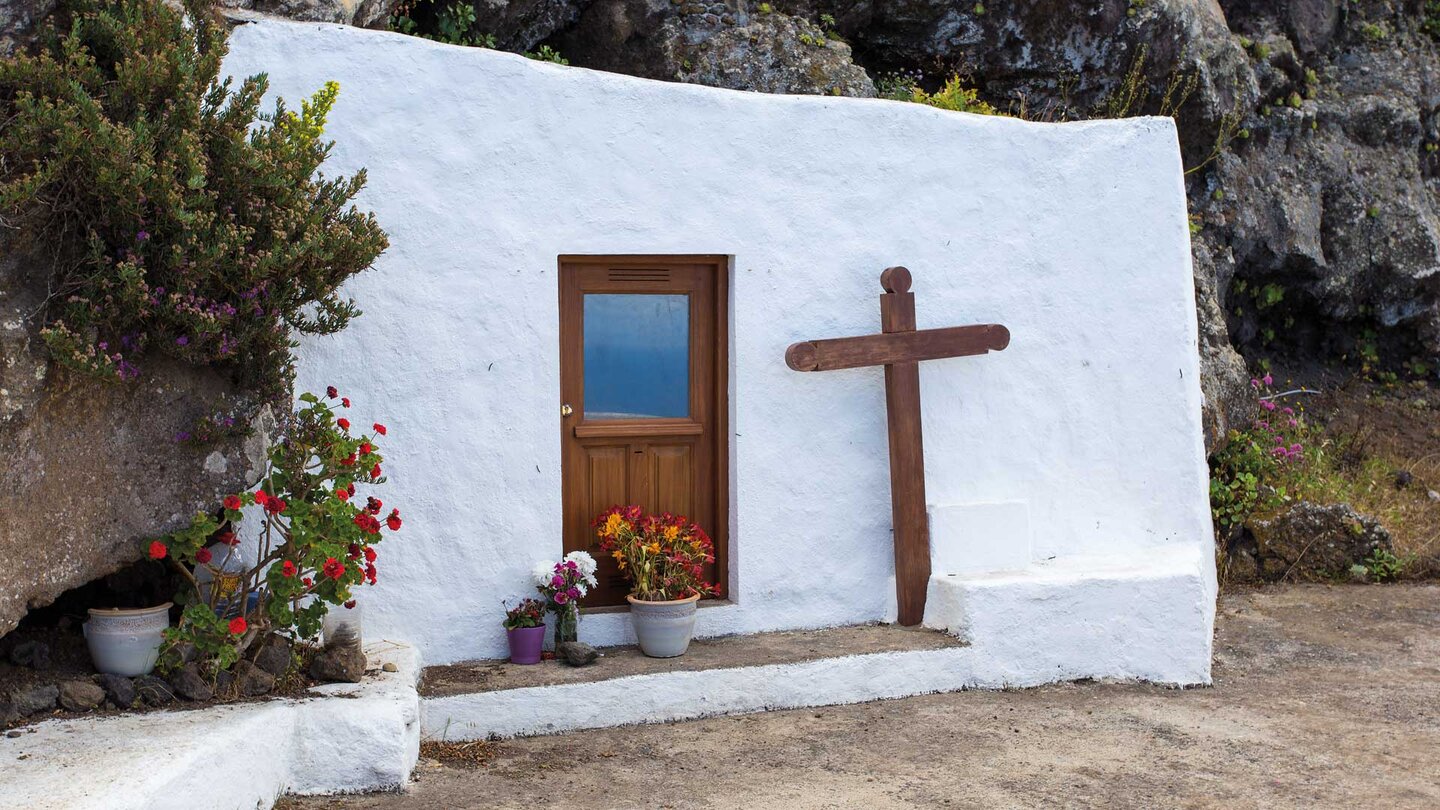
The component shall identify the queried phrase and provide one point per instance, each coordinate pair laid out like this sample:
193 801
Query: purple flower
142 236
561 598
182 341
557 581
1268 405
182 436
1268 380
1254 383
574 593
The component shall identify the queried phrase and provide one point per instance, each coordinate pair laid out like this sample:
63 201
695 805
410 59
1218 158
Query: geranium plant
663 556
529 613
562 585
1247 475
315 544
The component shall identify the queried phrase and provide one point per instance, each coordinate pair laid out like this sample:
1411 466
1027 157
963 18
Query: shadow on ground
1324 696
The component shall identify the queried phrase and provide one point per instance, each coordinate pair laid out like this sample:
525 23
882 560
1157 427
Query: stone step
1140 618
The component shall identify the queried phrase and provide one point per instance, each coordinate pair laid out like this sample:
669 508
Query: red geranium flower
342 493
345 401
343 423
354 551
373 505
375 471
370 554
307 581
202 556
331 392
394 520
350 604
275 505
379 428
261 497
237 625
158 550
228 538
288 569
333 568
348 460
370 573
233 502
365 448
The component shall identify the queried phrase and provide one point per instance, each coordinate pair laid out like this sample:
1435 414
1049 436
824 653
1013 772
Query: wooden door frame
720 532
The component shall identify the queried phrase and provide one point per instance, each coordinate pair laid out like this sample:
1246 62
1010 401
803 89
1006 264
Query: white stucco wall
484 167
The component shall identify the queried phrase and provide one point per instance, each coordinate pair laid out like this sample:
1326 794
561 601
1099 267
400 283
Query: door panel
642 382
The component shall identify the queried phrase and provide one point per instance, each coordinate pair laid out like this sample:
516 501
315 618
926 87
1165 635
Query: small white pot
126 642
663 628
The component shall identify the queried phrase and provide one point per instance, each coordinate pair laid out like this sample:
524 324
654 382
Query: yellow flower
672 532
653 548
612 525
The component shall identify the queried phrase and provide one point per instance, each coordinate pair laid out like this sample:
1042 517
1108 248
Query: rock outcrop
89 470
1308 541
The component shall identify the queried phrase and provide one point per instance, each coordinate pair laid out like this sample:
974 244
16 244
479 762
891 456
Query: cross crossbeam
900 348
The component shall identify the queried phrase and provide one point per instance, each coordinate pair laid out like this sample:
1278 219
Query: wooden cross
900 348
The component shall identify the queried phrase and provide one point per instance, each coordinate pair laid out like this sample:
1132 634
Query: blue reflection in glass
637 356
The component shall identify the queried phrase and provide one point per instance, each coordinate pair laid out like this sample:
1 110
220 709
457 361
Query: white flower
542 572
585 564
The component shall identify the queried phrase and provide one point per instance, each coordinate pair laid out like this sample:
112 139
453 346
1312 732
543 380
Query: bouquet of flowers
663 556
563 585
529 613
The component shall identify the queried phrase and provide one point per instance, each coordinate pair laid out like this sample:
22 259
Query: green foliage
1252 474
547 54
1430 23
953 96
452 23
315 542
182 221
1381 566
1374 32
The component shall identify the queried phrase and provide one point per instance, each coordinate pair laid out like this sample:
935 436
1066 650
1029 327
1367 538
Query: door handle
566 410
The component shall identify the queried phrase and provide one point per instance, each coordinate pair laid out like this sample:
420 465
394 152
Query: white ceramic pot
663 628
126 642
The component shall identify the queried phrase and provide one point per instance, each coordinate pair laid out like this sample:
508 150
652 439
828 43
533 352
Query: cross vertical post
907 454
900 348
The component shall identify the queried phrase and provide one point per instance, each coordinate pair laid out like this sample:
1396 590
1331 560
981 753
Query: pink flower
561 598
1268 405
557 581
1268 380
573 593
1288 411
1254 383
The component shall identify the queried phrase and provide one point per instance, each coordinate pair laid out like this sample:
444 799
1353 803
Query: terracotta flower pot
663 628
126 642
525 644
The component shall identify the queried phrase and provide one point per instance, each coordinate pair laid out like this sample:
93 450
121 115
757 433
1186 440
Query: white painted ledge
1145 616
356 737
1133 619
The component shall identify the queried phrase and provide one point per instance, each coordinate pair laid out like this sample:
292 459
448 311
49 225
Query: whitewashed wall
485 166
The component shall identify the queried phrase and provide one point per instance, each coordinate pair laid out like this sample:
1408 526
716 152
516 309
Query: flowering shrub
529 613
316 543
1246 475
663 556
563 585
183 221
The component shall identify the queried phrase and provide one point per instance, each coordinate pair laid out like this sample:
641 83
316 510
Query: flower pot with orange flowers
664 557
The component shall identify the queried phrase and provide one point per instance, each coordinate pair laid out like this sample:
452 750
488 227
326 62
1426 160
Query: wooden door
643 397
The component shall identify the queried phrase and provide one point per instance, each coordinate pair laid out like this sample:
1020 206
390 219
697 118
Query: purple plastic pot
525 644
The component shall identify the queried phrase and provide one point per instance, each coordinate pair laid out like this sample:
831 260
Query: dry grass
1379 451
459 754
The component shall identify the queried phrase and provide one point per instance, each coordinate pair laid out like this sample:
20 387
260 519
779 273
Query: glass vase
567 624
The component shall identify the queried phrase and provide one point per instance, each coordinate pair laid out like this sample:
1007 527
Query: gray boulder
35 699
1314 541
80 696
119 689
576 653
274 657
341 663
251 680
190 685
71 447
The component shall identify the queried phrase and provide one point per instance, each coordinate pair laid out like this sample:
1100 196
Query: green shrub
182 221
953 96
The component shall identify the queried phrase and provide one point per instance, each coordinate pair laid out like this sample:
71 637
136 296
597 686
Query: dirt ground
1324 696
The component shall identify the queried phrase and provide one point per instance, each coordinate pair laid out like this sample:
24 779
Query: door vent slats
656 275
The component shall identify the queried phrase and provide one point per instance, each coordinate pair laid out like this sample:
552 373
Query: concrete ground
1323 697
